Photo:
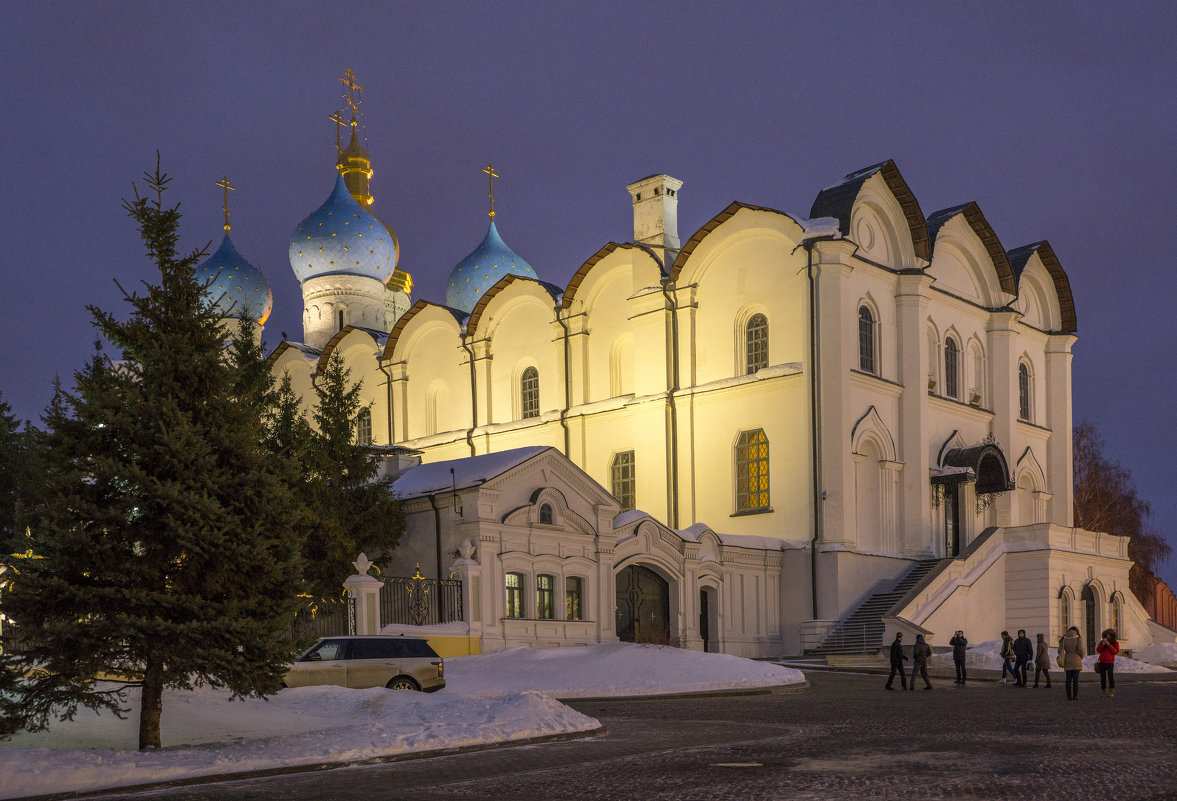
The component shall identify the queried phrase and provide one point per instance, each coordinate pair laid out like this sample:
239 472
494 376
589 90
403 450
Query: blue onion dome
482 269
343 238
233 285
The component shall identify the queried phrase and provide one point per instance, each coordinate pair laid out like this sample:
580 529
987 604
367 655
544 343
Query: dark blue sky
1058 119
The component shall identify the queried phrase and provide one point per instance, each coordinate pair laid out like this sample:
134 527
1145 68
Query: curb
310 768
775 689
975 674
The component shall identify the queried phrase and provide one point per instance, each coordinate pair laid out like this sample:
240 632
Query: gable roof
837 201
976 220
1062 285
469 471
716 221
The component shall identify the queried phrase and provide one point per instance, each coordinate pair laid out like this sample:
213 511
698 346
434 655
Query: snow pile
206 734
1162 653
488 699
611 669
987 656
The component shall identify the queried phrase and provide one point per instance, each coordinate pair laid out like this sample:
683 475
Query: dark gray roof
1018 257
837 201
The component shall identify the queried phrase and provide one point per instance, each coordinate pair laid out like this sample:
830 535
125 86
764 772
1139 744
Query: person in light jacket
1071 648
960 647
920 656
1107 649
1042 661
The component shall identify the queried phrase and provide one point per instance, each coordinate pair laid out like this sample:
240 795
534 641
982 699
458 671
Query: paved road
845 738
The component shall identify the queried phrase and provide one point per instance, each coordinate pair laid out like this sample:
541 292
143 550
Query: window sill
763 511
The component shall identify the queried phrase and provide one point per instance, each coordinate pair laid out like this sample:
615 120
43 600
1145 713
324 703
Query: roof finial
490 171
348 79
224 183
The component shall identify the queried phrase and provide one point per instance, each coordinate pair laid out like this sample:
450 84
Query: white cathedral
779 435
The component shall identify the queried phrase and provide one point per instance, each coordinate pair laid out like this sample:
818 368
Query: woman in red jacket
1107 649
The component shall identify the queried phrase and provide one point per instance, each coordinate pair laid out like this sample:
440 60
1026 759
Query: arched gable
641 263
1036 259
840 201
967 257
879 226
758 217
406 331
298 362
871 426
1029 466
350 339
506 290
563 514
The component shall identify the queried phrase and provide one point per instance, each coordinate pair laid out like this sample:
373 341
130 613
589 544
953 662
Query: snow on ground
1163 653
987 656
492 698
611 669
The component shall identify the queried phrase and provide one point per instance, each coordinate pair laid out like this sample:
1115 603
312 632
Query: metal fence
420 601
325 619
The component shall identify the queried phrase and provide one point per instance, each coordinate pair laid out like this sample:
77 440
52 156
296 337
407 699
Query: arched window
951 368
545 514
1065 596
755 343
1023 392
866 340
1117 612
752 471
624 482
364 427
529 393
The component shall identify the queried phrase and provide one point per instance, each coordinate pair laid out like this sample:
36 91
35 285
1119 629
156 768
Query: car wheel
403 683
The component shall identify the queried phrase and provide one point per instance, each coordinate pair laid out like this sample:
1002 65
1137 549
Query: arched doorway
1090 639
643 606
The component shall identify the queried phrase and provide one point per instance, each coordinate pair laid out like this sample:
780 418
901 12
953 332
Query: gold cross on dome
348 79
490 171
224 183
337 118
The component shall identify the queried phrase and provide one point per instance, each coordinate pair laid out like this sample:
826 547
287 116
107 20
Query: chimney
655 214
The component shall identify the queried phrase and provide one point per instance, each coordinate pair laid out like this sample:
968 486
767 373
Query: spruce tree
161 545
353 508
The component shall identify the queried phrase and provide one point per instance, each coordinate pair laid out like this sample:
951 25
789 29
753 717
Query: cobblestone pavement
845 738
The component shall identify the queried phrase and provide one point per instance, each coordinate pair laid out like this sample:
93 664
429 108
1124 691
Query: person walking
920 656
1070 648
1041 663
1023 653
1107 649
897 660
1007 656
959 648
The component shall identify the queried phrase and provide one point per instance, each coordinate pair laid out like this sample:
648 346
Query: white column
365 591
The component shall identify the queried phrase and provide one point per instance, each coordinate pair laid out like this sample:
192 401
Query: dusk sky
1058 119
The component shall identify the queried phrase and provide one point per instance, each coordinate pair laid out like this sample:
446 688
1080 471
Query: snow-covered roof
453 474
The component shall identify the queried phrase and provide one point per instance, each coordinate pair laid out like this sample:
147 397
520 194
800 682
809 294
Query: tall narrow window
545 514
514 582
951 369
340 321
573 593
756 343
529 393
866 340
1024 392
364 427
752 471
545 594
624 480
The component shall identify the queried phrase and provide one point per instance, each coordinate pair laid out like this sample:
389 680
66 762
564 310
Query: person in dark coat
1023 653
960 647
1042 661
897 660
920 656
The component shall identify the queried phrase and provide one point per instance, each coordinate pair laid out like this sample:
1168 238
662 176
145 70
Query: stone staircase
861 631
